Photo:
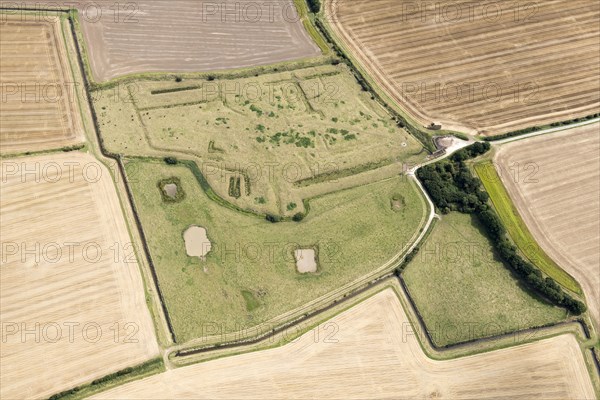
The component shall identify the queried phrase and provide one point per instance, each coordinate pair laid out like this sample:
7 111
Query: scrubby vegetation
111 380
452 187
179 194
298 217
235 187
314 5
251 302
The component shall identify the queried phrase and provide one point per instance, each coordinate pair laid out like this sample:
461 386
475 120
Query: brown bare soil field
72 302
487 66
554 181
370 352
188 35
38 104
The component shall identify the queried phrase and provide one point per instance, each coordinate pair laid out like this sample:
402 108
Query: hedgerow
452 187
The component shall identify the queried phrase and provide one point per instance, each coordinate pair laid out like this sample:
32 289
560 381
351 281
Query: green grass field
250 276
464 292
273 132
517 229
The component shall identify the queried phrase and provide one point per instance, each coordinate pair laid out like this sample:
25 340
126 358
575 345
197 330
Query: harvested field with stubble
557 193
39 108
187 35
72 301
487 66
373 354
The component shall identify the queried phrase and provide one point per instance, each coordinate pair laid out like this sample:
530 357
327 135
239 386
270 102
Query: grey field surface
186 35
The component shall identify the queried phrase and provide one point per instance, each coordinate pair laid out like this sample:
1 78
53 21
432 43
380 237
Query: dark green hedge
452 187
314 5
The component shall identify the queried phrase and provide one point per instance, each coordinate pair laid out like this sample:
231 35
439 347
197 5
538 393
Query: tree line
452 187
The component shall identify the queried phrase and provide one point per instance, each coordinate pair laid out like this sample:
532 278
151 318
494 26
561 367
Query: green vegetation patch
517 229
355 230
302 122
252 302
121 377
452 187
464 292
235 187
171 190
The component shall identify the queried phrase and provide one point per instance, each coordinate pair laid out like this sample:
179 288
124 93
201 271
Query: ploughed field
485 66
554 182
72 302
187 35
38 94
370 351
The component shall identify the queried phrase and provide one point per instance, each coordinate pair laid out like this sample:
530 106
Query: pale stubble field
373 353
38 103
72 299
554 182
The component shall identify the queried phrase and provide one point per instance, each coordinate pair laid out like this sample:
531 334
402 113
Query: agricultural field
246 274
518 230
486 67
554 183
370 351
260 141
186 36
479 297
39 104
72 304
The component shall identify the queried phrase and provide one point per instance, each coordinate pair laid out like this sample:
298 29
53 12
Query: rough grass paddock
356 232
518 230
463 292
261 142
456 64
80 272
370 351
557 192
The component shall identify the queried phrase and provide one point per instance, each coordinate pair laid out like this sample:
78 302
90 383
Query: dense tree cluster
273 218
452 187
314 5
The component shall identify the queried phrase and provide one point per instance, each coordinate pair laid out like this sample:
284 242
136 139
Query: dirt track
369 352
38 104
72 300
520 65
554 181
